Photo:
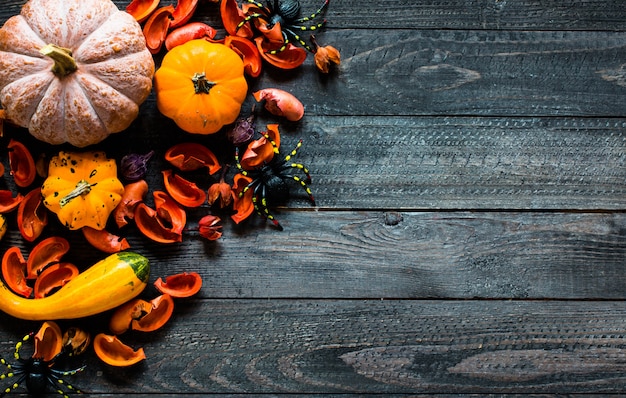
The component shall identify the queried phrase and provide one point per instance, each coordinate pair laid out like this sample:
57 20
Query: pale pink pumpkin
112 76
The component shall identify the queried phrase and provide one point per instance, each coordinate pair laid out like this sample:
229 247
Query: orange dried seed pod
22 164
182 190
53 277
46 252
190 156
115 353
181 285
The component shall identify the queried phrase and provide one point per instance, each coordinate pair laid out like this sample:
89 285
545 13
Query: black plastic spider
286 14
37 373
270 180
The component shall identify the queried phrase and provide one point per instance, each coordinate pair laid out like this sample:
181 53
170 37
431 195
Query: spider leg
256 3
304 185
315 14
238 163
54 381
59 373
264 209
260 203
284 46
305 28
248 19
19 344
8 365
300 166
288 32
13 386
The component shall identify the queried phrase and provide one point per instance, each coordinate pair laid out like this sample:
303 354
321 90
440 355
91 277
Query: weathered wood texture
377 346
469 169
399 255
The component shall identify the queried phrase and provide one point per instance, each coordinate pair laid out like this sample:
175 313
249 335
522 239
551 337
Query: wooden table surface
469 165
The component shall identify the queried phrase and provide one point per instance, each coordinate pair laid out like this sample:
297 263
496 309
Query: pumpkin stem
64 64
82 188
200 83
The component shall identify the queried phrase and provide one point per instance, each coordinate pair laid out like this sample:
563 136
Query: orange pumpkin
73 70
201 86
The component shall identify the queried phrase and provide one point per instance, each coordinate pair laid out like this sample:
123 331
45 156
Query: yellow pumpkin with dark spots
82 188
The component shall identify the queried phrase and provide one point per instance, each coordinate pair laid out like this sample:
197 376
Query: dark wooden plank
449 14
423 163
373 346
439 163
395 255
466 14
492 73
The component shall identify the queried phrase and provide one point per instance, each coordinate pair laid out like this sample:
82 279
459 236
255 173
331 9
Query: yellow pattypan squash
82 189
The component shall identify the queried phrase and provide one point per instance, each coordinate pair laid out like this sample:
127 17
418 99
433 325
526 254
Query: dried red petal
134 194
104 241
156 28
163 224
8 202
290 58
181 285
32 215
232 15
261 151
126 313
190 156
14 271
54 277
151 226
183 12
46 252
162 310
246 49
243 206
210 228
169 211
48 341
22 164
141 9
183 191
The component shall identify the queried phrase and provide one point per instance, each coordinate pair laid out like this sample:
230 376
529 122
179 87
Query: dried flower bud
209 227
243 131
324 56
222 192
135 166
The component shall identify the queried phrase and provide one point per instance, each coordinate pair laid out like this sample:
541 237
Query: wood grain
417 163
392 255
494 73
375 346
469 167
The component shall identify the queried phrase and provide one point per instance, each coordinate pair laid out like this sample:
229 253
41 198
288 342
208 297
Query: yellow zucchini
105 285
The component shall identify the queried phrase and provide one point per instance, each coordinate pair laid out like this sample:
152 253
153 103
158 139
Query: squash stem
64 63
200 83
82 188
